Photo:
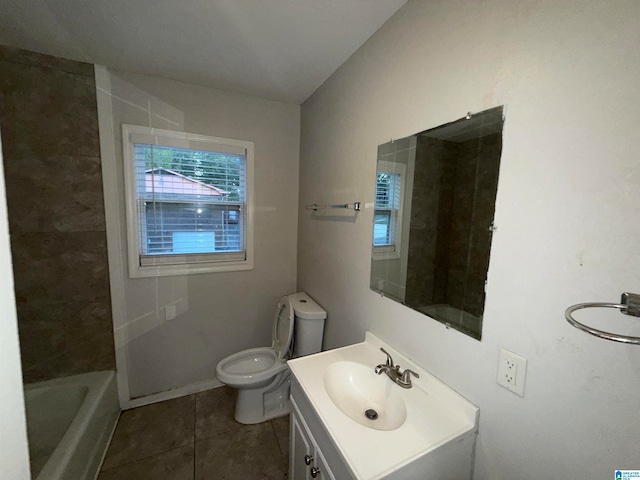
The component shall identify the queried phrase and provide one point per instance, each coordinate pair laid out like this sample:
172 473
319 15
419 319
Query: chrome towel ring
629 305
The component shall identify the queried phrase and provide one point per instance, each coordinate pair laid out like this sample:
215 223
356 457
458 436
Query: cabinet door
322 472
299 451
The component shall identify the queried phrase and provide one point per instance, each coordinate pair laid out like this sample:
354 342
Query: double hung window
189 200
387 219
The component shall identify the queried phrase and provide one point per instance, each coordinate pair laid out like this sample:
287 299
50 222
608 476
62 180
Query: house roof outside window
164 184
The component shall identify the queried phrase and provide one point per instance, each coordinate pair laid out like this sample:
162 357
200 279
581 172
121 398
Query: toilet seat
261 375
252 368
256 367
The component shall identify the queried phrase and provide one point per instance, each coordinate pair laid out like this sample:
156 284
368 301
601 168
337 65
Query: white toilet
261 374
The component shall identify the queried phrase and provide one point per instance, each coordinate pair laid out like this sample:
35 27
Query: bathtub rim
98 384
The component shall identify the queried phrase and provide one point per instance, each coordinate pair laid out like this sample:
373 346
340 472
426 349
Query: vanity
348 422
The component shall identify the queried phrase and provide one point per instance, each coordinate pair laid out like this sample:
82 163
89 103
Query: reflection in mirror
433 219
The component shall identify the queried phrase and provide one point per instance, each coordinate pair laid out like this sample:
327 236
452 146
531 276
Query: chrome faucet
393 372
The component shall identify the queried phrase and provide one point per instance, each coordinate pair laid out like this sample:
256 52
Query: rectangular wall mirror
433 219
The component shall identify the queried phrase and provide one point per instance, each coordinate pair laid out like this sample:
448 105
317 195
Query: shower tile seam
195 424
7 151
57 68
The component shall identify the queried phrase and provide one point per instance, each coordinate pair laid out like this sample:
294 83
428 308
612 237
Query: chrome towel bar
629 305
354 206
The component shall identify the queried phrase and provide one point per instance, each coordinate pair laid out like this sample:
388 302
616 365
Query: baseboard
170 394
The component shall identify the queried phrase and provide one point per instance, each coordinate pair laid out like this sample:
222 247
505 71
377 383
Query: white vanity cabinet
425 432
312 455
307 459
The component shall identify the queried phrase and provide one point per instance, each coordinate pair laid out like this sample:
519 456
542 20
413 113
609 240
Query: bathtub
69 424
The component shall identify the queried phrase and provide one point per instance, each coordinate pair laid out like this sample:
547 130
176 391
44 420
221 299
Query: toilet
261 374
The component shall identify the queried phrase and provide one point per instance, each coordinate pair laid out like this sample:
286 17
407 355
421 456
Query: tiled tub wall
49 124
446 233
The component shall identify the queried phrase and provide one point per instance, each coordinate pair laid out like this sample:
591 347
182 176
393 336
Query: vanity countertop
436 414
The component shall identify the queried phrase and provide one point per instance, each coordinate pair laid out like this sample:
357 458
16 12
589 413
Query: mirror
433 219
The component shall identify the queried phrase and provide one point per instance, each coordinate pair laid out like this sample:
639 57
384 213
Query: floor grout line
205 413
147 457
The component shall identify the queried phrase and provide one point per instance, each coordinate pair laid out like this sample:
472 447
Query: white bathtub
70 422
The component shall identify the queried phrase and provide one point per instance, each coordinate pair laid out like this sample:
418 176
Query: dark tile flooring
196 438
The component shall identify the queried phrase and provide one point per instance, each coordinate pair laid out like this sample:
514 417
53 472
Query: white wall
14 463
567 214
220 313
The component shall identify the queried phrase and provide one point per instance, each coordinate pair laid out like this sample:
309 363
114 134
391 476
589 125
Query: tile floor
196 438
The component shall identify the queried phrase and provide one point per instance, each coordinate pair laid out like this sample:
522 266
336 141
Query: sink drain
371 414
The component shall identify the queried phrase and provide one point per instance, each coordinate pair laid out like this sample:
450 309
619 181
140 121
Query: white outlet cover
512 371
169 312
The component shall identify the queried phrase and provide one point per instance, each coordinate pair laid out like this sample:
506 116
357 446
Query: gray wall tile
46 110
48 117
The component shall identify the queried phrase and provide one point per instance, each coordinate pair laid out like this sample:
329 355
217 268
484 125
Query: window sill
384 254
136 271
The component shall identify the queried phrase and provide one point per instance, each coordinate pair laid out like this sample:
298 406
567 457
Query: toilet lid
283 327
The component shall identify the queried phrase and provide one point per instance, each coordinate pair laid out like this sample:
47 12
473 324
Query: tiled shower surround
49 124
449 240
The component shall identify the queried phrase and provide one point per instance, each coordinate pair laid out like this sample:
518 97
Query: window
188 202
387 216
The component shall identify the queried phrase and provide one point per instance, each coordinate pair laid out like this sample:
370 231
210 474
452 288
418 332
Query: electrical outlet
512 371
169 312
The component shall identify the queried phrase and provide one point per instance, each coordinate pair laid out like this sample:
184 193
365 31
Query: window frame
392 250
191 263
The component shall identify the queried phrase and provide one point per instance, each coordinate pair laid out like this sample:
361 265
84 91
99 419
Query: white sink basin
365 397
417 428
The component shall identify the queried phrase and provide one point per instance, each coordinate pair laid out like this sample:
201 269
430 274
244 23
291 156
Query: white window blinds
190 201
387 205
189 195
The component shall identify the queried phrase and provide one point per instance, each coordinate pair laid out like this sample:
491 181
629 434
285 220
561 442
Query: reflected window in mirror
388 208
433 217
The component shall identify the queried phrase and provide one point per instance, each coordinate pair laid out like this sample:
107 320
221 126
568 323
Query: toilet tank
309 324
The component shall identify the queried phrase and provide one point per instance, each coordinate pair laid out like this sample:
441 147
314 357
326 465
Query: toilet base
261 404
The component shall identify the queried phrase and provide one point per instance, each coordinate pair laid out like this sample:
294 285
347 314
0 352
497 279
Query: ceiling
276 49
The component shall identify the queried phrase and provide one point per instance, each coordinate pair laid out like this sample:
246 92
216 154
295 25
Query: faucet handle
406 376
389 359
